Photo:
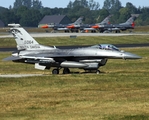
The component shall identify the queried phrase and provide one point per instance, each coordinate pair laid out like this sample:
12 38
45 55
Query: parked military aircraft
45 57
129 24
94 27
72 27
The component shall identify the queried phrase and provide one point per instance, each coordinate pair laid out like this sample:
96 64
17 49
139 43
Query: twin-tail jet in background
45 57
72 27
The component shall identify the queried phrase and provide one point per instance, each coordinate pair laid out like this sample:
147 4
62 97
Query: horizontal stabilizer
11 58
14 25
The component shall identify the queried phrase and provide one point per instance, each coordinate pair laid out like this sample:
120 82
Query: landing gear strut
66 71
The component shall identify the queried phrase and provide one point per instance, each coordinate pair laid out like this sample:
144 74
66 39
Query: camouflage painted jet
72 27
44 57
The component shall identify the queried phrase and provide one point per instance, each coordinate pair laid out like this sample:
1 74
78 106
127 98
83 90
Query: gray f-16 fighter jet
44 57
129 24
95 27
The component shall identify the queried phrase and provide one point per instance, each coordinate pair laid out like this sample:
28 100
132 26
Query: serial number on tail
28 42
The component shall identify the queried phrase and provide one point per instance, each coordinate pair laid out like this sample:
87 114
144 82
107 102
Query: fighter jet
72 27
44 57
96 27
129 24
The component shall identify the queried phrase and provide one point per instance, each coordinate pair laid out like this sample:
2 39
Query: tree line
29 12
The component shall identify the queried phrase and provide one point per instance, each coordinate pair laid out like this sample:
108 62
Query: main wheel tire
55 71
66 71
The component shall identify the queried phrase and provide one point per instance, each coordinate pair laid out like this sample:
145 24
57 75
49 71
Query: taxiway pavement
19 75
75 34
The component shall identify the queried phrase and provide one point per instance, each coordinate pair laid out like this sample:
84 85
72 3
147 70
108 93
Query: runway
75 34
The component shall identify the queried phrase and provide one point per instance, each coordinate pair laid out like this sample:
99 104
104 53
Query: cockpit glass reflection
106 47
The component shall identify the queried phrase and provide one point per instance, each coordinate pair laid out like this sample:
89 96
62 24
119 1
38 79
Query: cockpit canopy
106 47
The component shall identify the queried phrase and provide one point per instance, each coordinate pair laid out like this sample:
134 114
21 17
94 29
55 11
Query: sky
64 3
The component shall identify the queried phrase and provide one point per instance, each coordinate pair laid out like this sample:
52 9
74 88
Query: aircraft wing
38 56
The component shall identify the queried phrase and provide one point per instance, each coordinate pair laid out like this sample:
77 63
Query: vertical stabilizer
78 21
23 39
106 20
130 20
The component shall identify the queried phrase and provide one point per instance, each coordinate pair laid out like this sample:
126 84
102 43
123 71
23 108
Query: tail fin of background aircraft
23 39
78 21
132 19
106 20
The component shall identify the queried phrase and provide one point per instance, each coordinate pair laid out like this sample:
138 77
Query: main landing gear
55 71
65 71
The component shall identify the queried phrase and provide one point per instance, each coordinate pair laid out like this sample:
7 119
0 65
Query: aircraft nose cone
128 55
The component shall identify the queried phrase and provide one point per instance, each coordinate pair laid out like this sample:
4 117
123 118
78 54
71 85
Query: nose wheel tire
55 71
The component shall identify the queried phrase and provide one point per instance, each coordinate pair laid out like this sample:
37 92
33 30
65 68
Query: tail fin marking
24 40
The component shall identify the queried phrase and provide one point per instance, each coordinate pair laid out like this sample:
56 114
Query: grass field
119 92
